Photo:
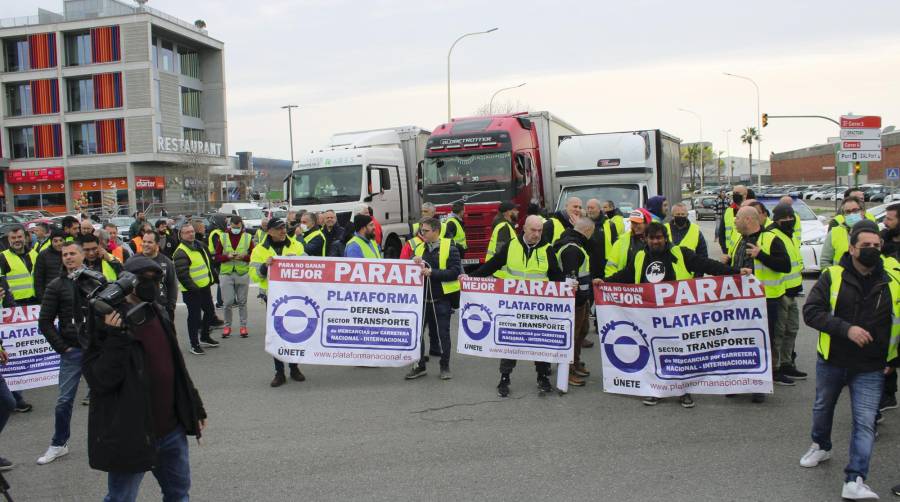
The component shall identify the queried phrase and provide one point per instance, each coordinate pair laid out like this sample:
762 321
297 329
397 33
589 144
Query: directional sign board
860 139
892 173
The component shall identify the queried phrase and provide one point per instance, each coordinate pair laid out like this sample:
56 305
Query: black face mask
787 227
147 290
869 256
737 198
610 214
680 221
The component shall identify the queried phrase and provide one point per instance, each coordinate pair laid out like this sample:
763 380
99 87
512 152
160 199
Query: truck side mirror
374 181
419 173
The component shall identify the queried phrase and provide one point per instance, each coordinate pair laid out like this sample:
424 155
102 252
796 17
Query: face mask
869 256
680 221
787 227
304 228
235 231
737 198
147 290
853 219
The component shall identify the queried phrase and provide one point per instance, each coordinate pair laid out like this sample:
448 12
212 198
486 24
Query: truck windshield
625 197
326 185
477 171
252 213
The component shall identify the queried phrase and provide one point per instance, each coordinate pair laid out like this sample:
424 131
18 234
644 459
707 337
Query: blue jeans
865 394
69 376
172 472
7 403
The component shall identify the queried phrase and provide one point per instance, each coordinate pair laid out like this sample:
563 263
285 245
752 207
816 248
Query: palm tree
691 154
750 135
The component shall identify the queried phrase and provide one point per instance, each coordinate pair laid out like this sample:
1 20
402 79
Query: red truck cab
482 161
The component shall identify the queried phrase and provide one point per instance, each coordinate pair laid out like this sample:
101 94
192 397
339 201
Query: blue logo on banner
295 318
476 320
625 346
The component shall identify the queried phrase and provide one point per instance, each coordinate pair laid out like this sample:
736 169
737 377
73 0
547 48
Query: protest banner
344 311
513 319
32 362
703 336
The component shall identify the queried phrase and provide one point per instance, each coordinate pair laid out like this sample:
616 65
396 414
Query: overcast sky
599 65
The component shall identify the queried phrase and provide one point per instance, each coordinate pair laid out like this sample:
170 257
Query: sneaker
503 386
197 350
416 372
217 323
207 341
6 465
575 380
793 372
297 375
278 381
687 401
23 408
445 374
814 456
780 378
244 333
887 403
544 385
580 370
896 490
858 490
651 401
220 306
226 332
758 398
53 453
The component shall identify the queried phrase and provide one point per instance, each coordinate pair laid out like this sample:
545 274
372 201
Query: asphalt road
367 434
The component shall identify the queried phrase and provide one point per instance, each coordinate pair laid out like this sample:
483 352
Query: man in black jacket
167 239
890 251
144 404
334 235
530 249
573 252
561 220
852 307
441 285
48 265
63 306
168 286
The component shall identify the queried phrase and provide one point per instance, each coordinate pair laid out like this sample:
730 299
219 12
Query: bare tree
502 107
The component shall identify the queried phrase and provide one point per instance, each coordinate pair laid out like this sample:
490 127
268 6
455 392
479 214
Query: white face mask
236 231
304 228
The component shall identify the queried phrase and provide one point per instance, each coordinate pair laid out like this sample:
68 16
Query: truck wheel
392 247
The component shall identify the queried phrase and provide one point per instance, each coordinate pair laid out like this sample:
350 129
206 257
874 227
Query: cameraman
63 302
96 258
168 291
144 404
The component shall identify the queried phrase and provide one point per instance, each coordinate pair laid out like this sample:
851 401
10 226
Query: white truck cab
249 212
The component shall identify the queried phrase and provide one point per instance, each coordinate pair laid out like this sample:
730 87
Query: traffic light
857 167
765 119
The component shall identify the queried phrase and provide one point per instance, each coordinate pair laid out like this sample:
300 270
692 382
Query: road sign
892 173
861 133
859 156
828 168
860 139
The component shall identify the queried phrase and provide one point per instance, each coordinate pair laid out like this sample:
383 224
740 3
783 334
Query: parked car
705 208
813 228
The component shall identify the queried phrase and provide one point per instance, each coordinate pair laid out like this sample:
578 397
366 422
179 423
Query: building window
193 134
167 57
154 52
80 94
78 49
190 62
22 139
16 54
190 102
83 138
18 99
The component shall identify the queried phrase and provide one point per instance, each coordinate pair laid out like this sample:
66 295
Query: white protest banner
344 311
513 319
703 336
32 362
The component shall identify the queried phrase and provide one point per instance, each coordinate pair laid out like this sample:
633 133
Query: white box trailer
625 167
550 131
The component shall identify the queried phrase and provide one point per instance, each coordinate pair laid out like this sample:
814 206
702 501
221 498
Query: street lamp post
728 154
448 62
291 129
758 131
700 121
491 104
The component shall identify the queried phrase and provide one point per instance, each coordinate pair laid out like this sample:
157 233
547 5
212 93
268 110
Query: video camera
104 296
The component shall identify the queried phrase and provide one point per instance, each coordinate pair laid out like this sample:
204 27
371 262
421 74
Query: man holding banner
442 269
662 261
526 257
854 306
575 261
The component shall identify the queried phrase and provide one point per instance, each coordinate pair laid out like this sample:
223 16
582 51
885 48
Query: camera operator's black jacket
62 301
120 423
